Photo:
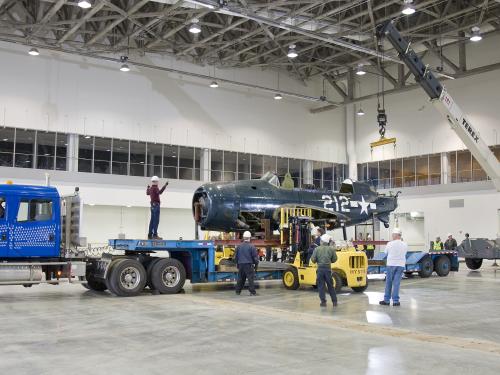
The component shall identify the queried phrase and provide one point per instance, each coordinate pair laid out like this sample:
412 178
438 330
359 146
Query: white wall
81 95
417 125
101 223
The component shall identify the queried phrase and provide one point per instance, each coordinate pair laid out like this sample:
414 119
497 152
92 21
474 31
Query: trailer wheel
427 267
442 266
473 263
149 268
168 276
360 289
337 281
109 281
92 284
128 278
291 279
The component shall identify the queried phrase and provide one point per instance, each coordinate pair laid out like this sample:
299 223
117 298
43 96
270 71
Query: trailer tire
108 281
149 268
474 263
360 289
127 278
291 279
168 276
337 281
442 266
427 267
92 284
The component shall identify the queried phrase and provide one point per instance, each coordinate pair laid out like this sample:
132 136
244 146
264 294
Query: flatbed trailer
421 262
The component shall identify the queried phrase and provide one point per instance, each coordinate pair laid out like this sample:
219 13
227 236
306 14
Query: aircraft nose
201 204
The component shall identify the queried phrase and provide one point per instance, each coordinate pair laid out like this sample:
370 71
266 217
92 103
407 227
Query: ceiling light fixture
360 71
292 52
214 84
85 4
408 8
360 112
195 27
124 67
87 137
278 96
476 34
33 52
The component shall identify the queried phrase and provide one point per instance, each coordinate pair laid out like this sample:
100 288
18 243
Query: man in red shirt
154 192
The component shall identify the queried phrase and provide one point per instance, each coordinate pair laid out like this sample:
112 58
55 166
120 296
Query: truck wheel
442 266
109 281
149 268
337 281
427 267
473 263
291 279
128 278
360 289
168 276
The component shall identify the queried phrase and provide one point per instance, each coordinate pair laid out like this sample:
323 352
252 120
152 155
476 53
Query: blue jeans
155 219
324 276
393 277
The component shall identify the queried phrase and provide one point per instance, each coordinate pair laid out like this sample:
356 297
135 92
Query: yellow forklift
349 270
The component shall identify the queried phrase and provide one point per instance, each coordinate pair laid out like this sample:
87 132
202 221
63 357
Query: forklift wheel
337 281
291 279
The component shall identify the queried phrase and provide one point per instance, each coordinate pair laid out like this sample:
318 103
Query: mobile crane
443 102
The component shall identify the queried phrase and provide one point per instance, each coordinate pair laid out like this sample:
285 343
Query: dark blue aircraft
242 205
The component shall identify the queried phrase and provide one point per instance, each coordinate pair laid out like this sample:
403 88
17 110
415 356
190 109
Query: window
452 157
363 172
435 169
186 163
340 175
61 151
138 159
478 174
170 161
257 163
408 172
46 150
7 147
384 169
3 208
34 210
154 158
295 169
102 155
281 167
119 157
243 166
85 153
422 170
317 174
464 166
373 173
396 173
269 164
25 147
197 163
230 164
328 176
216 164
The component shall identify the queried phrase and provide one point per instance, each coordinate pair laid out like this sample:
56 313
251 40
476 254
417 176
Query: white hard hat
396 231
315 231
155 179
326 238
449 234
247 234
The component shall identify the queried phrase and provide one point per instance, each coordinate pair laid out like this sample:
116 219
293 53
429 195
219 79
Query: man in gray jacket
247 260
324 255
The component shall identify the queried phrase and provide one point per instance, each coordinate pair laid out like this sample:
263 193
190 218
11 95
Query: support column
350 129
445 168
462 52
307 172
73 142
205 165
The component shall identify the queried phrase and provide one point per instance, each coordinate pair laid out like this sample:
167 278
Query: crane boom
443 102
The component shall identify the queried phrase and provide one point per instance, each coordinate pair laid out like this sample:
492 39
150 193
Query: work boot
322 304
150 236
156 237
334 303
383 303
238 293
396 304
253 294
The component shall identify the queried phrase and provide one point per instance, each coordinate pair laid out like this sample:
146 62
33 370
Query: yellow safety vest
437 245
370 247
360 247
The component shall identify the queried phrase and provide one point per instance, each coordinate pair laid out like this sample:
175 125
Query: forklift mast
443 102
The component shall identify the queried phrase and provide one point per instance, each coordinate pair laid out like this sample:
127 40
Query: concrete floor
444 326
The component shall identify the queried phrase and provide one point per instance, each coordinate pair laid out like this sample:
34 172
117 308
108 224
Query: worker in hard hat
370 248
450 243
247 260
395 265
324 255
316 234
154 193
438 244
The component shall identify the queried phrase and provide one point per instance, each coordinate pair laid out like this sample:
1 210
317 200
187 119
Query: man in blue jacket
247 260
